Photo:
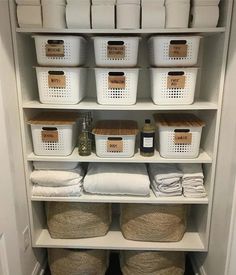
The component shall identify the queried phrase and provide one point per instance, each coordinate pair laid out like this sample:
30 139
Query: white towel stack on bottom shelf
29 14
78 14
165 179
153 14
57 183
117 179
205 13
103 14
192 180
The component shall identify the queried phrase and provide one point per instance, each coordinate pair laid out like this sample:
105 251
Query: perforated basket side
168 148
128 146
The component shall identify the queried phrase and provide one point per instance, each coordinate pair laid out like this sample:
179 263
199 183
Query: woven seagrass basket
156 223
152 263
68 220
77 262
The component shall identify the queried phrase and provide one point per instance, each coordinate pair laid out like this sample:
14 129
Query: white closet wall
30 260
214 262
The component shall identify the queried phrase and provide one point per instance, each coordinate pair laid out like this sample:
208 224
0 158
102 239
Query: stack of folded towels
192 180
57 183
165 179
117 179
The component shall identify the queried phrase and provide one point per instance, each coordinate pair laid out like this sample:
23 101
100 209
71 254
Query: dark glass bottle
147 139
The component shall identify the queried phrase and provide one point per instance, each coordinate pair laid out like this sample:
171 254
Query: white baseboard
39 269
197 268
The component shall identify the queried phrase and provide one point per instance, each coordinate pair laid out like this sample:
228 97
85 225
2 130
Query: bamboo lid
116 127
178 120
54 118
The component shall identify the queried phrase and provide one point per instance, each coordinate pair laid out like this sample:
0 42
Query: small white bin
115 138
171 51
54 134
170 86
116 51
179 135
117 86
60 50
61 85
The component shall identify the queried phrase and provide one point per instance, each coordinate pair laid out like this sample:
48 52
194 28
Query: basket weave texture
152 263
155 223
68 220
75 262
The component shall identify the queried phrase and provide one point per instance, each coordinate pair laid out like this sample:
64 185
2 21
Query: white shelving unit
207 105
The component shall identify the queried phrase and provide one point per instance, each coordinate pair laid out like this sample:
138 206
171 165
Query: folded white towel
54 178
78 16
28 2
117 179
64 191
159 193
191 170
194 195
103 2
165 173
74 2
103 16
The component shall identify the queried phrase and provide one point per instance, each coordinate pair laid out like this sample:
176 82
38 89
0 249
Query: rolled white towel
29 16
28 2
117 179
55 178
63 191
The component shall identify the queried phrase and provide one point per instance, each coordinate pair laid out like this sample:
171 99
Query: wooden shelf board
114 240
137 158
203 31
125 199
142 104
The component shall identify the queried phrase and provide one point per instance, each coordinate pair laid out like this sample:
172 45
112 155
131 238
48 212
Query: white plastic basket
174 50
124 94
116 51
60 50
62 147
126 146
169 149
54 165
69 87
173 86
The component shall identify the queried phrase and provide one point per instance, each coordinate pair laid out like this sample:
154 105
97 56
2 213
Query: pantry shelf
114 240
142 104
125 199
202 31
137 158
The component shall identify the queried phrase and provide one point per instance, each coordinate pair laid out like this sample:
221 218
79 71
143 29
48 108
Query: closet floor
114 267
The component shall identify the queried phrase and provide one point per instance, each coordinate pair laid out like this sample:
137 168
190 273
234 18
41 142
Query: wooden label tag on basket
116 51
116 82
49 136
56 81
183 138
176 81
115 146
178 50
55 50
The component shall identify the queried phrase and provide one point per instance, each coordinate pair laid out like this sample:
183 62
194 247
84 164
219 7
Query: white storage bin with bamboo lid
117 86
60 50
54 133
170 86
115 138
118 51
61 85
179 135
171 51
